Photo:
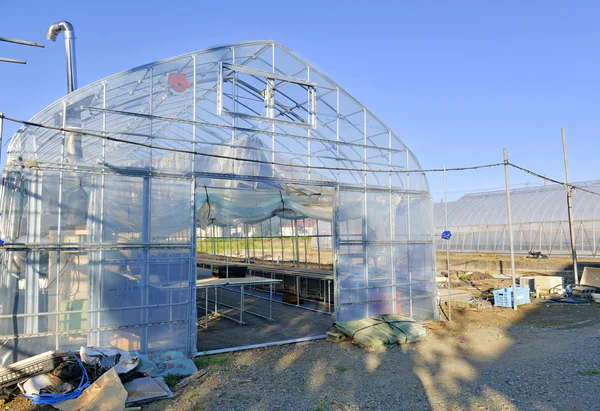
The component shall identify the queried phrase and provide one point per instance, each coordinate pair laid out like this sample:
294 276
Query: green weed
589 372
322 406
203 362
172 379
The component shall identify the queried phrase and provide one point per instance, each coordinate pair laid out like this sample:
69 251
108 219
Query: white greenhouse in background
479 223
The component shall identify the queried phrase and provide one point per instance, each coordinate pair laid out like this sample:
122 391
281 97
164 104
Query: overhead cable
249 160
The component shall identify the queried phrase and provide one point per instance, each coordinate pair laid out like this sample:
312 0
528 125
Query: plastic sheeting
225 207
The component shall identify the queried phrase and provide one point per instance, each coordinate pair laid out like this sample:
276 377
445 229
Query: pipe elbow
62 26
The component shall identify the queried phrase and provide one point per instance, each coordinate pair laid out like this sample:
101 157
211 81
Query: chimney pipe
69 31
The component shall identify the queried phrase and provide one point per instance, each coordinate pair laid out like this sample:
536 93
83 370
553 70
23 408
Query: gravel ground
543 357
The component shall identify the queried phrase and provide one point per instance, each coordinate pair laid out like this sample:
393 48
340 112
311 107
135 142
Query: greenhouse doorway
264 264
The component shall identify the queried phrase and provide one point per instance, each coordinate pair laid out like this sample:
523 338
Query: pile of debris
95 378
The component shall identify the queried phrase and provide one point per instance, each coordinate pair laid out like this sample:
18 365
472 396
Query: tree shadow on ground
538 358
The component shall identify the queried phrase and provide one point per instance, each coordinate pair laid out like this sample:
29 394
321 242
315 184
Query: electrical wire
565 185
358 170
249 160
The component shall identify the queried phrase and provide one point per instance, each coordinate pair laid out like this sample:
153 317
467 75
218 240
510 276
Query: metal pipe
23 42
7 60
67 28
270 344
1 126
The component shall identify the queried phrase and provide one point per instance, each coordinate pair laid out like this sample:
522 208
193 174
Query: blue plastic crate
504 297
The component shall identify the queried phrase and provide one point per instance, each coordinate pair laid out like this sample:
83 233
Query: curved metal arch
147 68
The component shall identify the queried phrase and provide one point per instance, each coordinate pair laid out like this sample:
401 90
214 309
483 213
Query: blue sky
458 81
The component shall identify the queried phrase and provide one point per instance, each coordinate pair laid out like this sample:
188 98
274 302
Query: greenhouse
117 195
479 222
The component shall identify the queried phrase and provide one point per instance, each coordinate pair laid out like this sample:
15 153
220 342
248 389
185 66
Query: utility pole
510 231
570 206
447 246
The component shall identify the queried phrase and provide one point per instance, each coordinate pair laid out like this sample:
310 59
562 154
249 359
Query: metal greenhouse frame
104 190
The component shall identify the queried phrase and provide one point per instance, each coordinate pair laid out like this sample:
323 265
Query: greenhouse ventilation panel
99 221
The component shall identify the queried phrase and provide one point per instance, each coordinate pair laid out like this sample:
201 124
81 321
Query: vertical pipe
271 239
309 120
510 230
193 269
234 108
262 238
337 132
305 245
281 239
214 243
297 291
146 222
295 223
570 207
247 244
392 230
101 231
408 224
1 126
273 124
67 28
447 246
318 243
365 227
593 237
335 248
329 296
59 217
242 304
270 301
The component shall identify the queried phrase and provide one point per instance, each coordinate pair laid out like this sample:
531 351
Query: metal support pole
297 291
271 240
297 243
570 207
305 245
262 238
242 304
316 222
281 240
215 243
329 296
1 125
216 295
510 231
206 305
447 247
271 301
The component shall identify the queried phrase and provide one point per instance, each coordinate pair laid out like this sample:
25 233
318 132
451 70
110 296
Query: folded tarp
382 330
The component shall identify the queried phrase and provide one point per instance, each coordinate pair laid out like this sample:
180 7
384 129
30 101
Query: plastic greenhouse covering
104 190
540 221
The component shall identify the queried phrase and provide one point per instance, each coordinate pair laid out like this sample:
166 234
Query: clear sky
457 81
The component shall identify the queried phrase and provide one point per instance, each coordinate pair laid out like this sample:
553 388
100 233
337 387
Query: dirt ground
542 357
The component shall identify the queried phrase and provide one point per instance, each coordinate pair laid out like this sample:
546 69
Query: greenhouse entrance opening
265 263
